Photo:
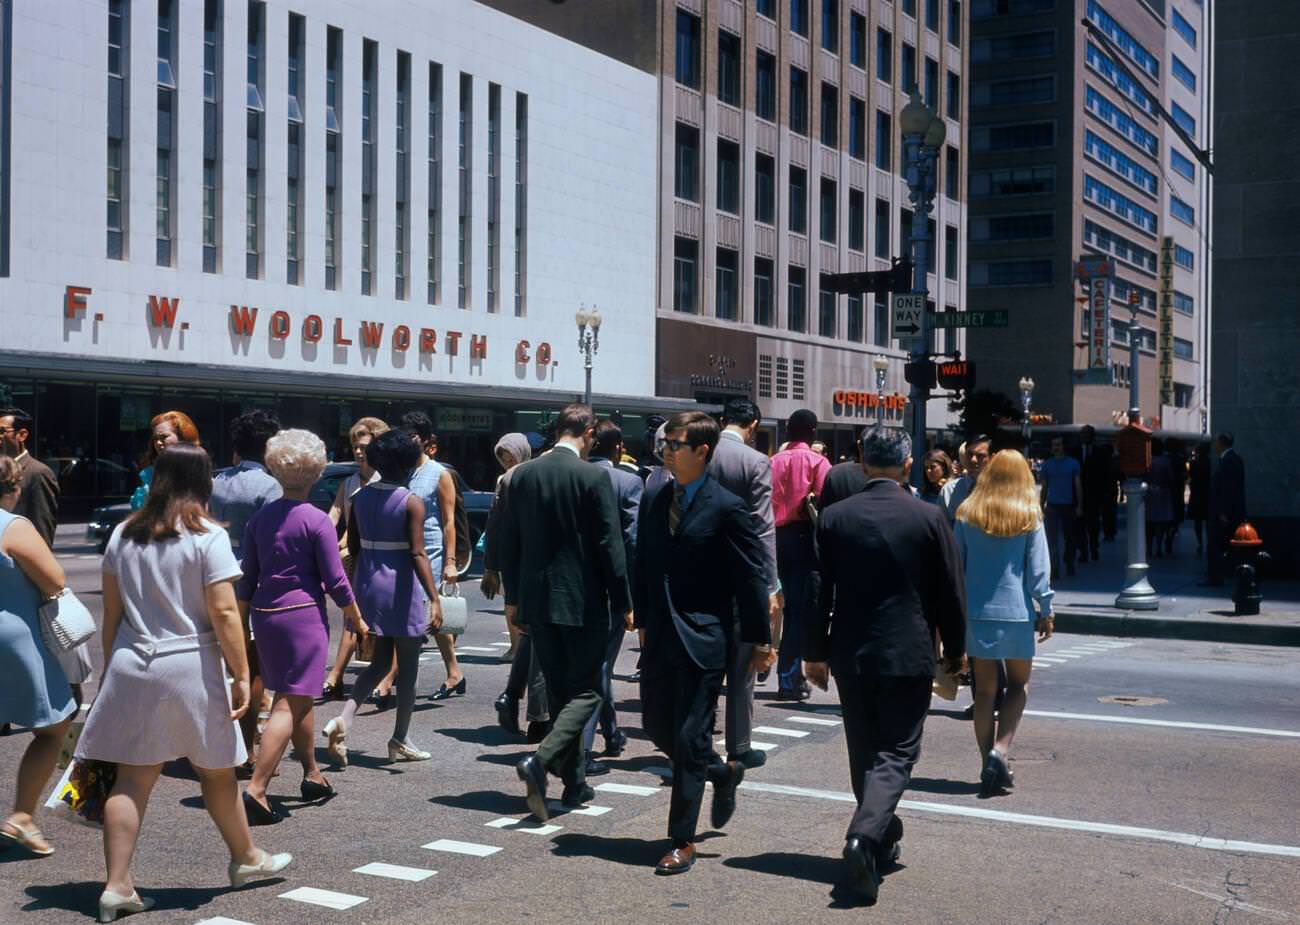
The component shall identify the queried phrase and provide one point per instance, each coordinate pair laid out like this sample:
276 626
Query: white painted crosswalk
326 898
635 790
779 731
812 721
451 846
1048 657
522 825
395 871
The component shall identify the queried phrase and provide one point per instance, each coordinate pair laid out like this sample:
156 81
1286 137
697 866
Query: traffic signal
897 278
920 372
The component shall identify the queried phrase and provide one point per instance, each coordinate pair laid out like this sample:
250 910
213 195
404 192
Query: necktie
675 511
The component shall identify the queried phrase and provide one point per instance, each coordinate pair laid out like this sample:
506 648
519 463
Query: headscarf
515 446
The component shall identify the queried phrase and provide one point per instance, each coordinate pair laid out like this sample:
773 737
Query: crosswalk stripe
395 871
521 825
327 898
451 846
590 810
761 746
1050 659
812 721
222 920
778 731
476 649
635 790
1166 723
1038 664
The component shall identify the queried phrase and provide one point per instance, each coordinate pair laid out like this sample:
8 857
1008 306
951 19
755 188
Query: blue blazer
1005 574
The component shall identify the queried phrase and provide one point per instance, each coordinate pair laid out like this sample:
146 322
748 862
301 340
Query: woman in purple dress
291 562
395 587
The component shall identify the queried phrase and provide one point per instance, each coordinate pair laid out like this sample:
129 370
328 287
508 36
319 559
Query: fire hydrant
1248 555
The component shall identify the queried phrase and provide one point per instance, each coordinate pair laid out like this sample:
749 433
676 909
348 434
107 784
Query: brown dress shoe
676 861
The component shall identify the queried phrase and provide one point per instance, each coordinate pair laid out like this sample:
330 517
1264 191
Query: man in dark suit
699 577
844 480
39 499
1098 481
1227 503
890 577
564 565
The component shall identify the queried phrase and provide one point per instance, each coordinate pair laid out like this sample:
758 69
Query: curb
1126 623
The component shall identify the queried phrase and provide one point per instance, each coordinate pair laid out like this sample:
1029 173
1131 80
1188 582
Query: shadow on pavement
83 897
484 801
943 785
491 736
634 852
509 760
809 868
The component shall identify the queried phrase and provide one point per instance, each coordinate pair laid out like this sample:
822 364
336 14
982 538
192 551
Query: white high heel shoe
337 749
400 751
269 866
111 905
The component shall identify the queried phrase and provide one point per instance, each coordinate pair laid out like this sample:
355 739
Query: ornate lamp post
588 342
923 135
881 366
1026 396
1135 459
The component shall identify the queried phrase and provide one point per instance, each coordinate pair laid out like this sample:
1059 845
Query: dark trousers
739 721
526 674
796 565
883 720
571 657
1060 524
1089 531
678 699
607 715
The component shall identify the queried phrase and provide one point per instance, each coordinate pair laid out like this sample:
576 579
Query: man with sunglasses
39 497
700 579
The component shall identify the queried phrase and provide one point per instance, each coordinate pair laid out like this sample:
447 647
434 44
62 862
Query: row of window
1120 121
988 9
1100 62
1119 163
1103 239
1131 47
1117 203
830 18
255 114
1184 28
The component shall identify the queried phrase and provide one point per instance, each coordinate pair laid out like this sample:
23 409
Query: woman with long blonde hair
999 530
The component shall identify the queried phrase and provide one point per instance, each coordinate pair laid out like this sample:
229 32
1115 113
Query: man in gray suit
606 450
747 474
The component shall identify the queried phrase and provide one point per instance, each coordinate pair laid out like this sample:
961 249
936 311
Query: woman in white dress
170 617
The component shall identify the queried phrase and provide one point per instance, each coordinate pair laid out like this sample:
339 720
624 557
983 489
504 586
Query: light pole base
1137 593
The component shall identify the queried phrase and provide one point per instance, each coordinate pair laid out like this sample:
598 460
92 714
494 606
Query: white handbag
455 610
65 622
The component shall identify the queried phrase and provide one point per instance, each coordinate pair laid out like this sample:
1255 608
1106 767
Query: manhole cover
1132 700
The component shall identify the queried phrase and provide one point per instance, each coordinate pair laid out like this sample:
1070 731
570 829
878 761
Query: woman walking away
291 561
167 429
999 530
34 692
386 537
170 618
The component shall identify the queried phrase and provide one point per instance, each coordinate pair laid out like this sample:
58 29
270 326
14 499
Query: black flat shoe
312 791
507 708
443 692
383 701
332 692
258 814
615 744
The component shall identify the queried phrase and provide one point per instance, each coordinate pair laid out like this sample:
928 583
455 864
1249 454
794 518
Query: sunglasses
678 445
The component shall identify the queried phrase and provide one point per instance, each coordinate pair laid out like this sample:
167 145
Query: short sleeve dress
165 693
388 591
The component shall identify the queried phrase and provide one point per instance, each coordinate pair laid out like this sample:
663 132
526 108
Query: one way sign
908 308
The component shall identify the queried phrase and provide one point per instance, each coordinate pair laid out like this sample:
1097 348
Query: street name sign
908 308
995 318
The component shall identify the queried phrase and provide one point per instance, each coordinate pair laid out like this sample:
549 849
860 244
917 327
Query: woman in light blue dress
34 692
999 531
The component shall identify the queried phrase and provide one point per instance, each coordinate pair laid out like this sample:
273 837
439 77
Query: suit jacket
1096 474
844 479
747 474
39 499
891 576
698 583
1228 488
561 546
628 490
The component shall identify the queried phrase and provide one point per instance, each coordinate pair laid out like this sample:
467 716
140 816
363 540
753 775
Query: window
256 143
687 174
1181 164
728 177
856 329
987 9
831 25
1118 204
830 115
1014 181
764 307
798 100
952 100
932 15
727 306
950 255
1035 272
857 40
797 299
826 313
884 140
369 138
1122 290
766 8
1182 211
688 50
1103 65
464 216
1131 47
117 203
433 245
884 55
333 154
1184 303
882 248
685 258
932 83
1121 122
494 201
210 205
799 17
764 189
952 173
1014 137
6 141
1021 226
1184 395
1184 349
521 204
909 7
165 189
857 128
1103 239
954 22
827 202
1184 74
728 68
765 87
1019 47
782 377
857 220
798 200
1184 258
293 189
1184 28
907 68
880 325
1183 119
1106 154
1018 91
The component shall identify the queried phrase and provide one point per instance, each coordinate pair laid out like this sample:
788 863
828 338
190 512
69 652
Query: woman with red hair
166 429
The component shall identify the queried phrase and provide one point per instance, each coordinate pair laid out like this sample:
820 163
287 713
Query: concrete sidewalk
1085 603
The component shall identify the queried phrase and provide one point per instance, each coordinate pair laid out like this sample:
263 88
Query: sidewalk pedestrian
170 622
34 692
938 470
1198 504
290 563
1227 504
166 429
1062 501
1004 553
1098 484
1159 501
38 499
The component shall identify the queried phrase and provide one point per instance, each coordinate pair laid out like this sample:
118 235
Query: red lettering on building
243 319
453 343
312 329
401 337
371 333
478 346
521 352
280 325
74 300
162 311
543 354
428 340
339 339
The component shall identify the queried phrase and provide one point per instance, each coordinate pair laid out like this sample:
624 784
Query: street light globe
1026 385
935 133
582 317
881 364
915 117
594 319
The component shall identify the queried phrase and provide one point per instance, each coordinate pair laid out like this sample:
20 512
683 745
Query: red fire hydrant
1248 554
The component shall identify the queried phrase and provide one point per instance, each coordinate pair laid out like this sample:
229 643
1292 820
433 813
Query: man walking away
797 473
699 578
240 491
1095 477
38 499
747 474
1227 503
1062 504
563 562
890 577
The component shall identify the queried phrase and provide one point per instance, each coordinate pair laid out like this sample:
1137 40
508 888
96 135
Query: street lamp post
1026 396
923 135
881 366
588 342
1137 593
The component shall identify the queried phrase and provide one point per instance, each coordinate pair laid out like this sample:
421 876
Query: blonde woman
1000 533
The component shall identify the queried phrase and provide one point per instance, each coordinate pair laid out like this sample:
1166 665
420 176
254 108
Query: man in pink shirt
797 472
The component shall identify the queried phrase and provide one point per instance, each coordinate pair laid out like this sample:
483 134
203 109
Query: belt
392 545
148 646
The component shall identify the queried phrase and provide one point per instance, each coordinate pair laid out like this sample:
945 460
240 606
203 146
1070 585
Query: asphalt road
1181 811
